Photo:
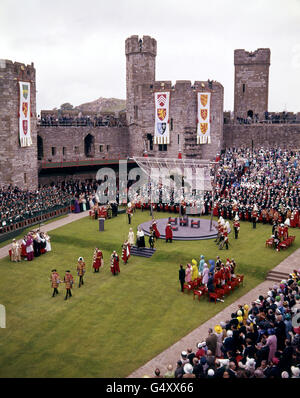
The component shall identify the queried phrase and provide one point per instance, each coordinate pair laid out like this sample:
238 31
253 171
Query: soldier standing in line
55 281
236 226
68 280
80 270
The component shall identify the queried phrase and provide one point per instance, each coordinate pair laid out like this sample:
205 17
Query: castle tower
18 165
140 78
251 82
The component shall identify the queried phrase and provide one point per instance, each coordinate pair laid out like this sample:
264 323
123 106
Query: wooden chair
195 224
269 242
188 286
240 279
200 292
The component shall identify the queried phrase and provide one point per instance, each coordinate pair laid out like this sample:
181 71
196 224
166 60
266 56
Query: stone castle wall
285 136
140 107
18 166
251 82
69 143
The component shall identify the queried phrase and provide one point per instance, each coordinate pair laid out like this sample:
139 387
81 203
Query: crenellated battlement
259 56
134 44
18 69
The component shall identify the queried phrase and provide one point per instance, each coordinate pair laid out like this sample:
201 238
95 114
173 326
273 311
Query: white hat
211 372
295 371
184 354
188 368
285 375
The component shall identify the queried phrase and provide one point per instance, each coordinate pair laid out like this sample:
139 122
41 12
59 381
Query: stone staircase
276 276
142 252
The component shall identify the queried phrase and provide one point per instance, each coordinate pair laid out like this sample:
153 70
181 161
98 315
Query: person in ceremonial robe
48 242
125 251
69 281
55 281
29 247
236 227
97 259
155 229
114 263
169 233
130 238
80 270
23 248
140 238
15 251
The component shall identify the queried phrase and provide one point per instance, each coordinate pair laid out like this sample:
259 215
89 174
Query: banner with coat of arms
203 118
24 114
162 131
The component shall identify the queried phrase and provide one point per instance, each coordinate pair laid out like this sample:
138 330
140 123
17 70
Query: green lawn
112 325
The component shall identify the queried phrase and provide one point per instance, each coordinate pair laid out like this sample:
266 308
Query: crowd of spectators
259 341
282 117
80 121
265 179
17 205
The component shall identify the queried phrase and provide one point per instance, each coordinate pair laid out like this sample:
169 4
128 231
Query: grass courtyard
112 325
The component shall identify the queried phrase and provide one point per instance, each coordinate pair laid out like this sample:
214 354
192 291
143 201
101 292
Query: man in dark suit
181 276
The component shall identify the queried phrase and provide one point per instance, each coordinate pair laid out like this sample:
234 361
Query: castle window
53 151
100 148
135 108
25 178
171 124
64 150
150 142
76 149
163 147
107 148
244 87
89 146
178 139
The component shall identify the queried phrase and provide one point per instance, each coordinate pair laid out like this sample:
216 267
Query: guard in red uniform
125 251
169 233
80 270
156 231
236 226
254 216
68 280
114 263
55 281
97 259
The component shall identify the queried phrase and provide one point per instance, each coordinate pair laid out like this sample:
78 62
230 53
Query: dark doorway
250 113
89 146
40 147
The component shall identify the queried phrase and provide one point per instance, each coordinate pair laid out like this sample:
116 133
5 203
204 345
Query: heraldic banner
203 118
24 114
162 132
